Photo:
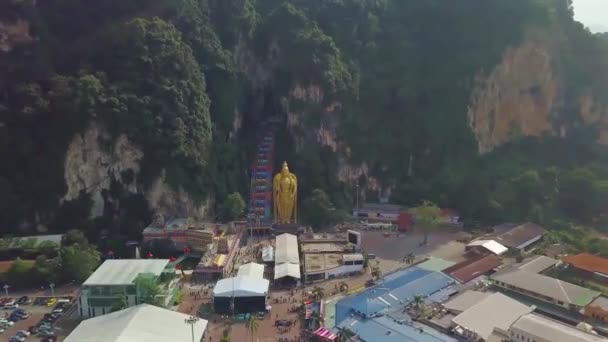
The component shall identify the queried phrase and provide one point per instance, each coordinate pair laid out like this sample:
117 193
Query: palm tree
318 292
419 304
410 258
376 272
252 326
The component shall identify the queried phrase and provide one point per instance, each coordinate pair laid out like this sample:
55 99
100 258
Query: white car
12 306
22 333
6 322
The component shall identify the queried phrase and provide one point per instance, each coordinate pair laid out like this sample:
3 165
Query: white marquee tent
286 250
241 286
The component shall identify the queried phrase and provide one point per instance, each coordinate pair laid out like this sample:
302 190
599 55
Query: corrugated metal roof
124 271
466 300
549 330
547 286
537 264
384 329
588 262
495 311
436 264
490 245
471 269
519 235
138 323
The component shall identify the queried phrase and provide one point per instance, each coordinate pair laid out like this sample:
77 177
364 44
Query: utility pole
52 285
357 187
191 321
6 290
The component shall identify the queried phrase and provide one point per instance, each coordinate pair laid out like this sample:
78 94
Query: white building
323 266
533 327
139 323
115 280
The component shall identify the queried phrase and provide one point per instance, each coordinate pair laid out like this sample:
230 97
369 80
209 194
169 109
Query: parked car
40 301
9 302
282 323
11 306
58 310
50 339
17 339
51 302
23 300
6 321
22 333
3 300
46 333
64 300
33 329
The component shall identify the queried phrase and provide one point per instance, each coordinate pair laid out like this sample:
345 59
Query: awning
287 270
241 286
325 333
252 270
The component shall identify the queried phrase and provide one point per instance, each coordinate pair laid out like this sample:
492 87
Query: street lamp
191 321
6 289
52 286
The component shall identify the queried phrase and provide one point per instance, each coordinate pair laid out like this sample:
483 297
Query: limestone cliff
522 96
94 160
516 98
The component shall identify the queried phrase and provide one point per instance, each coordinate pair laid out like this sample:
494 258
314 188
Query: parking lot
36 316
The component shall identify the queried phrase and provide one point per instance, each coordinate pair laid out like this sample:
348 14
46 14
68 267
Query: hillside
112 110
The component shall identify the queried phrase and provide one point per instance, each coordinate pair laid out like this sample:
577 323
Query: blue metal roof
392 293
385 329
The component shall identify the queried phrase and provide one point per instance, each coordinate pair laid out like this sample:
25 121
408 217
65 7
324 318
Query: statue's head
284 169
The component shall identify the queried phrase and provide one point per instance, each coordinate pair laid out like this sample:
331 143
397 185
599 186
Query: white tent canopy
252 270
241 286
287 249
138 323
287 270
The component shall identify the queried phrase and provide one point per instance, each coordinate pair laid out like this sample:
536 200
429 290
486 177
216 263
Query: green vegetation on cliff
179 77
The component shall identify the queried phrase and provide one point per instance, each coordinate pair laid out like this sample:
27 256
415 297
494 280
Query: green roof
436 264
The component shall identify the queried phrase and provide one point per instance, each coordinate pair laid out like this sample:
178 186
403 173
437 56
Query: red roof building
590 264
473 268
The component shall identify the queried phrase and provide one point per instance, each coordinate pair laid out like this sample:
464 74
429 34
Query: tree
419 304
73 237
20 273
252 326
318 292
426 216
79 261
147 290
119 304
317 210
376 271
233 207
47 247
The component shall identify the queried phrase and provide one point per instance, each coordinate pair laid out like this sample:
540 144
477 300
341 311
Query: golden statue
285 192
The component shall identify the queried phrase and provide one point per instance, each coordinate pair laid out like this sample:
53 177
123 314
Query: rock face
594 114
90 167
517 98
13 33
93 160
163 198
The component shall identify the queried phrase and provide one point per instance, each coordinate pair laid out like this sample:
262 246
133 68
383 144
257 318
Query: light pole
52 286
191 321
6 289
